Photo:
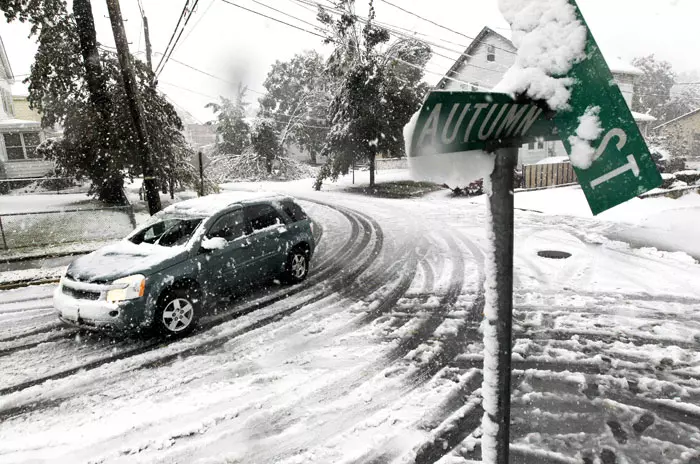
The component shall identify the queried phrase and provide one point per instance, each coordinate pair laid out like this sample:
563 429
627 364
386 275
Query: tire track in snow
405 345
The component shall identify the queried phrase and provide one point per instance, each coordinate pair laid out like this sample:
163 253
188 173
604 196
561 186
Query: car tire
297 266
177 312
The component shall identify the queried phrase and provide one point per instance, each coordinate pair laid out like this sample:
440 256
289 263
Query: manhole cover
553 254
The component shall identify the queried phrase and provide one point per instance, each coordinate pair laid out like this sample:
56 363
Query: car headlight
132 287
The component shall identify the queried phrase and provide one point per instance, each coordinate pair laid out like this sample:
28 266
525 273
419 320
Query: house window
491 53
696 143
21 145
531 146
540 144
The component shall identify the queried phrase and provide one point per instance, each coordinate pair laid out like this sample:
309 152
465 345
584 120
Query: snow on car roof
211 204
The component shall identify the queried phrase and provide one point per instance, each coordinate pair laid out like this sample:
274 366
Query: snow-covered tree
653 89
265 141
683 102
263 159
88 99
299 93
231 125
377 94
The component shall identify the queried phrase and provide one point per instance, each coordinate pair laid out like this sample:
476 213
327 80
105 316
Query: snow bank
550 39
457 169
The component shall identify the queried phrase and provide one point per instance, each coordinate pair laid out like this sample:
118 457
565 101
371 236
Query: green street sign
623 167
461 121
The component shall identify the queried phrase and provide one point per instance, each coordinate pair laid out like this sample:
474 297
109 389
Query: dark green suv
168 272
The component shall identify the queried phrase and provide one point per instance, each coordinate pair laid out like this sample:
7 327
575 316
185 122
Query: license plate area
71 312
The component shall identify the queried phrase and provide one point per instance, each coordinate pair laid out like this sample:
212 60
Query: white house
18 137
490 55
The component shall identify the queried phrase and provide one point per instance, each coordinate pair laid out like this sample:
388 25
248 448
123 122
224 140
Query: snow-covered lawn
377 358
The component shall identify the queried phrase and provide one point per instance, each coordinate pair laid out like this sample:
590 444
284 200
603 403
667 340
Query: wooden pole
135 106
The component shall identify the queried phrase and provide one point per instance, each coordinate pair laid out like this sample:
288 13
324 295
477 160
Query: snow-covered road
376 358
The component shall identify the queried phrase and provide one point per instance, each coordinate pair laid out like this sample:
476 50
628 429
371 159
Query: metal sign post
501 300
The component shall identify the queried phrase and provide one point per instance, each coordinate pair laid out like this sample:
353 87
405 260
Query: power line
194 26
393 30
325 38
315 26
189 90
210 74
273 19
441 26
172 37
172 49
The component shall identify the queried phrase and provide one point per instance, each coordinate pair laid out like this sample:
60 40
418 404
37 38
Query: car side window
262 216
229 226
293 210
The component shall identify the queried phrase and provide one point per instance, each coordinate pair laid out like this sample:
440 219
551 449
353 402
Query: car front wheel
177 312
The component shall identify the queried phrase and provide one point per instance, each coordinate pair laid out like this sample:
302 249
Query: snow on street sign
462 121
622 166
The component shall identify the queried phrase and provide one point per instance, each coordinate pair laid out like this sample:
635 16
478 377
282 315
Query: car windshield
167 231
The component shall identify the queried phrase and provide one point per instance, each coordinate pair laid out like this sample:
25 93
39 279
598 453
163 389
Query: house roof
5 61
618 66
469 52
641 117
690 113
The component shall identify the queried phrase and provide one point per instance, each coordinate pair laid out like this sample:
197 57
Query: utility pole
135 106
149 51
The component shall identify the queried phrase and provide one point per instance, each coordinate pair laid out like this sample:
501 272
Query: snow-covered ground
377 357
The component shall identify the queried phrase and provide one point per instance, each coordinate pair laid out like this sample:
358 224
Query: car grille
81 294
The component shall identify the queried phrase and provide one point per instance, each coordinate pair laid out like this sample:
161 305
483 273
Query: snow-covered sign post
560 87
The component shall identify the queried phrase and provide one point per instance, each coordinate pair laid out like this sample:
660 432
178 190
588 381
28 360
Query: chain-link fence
44 228
42 185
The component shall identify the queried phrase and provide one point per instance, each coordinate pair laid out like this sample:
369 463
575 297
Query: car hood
123 259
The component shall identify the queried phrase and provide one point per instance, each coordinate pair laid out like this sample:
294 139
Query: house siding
479 70
687 129
22 110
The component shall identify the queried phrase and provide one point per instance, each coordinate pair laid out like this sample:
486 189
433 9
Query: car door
268 238
225 268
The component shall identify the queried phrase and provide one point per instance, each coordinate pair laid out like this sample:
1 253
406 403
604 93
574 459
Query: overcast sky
234 44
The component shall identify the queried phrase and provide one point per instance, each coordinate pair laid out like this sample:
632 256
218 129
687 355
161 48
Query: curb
27 283
18 259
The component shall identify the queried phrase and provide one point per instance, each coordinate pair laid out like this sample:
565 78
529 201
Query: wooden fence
548 175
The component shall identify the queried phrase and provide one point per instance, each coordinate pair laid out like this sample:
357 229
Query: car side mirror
215 243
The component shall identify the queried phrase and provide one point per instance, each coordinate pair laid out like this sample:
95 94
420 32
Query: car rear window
293 210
